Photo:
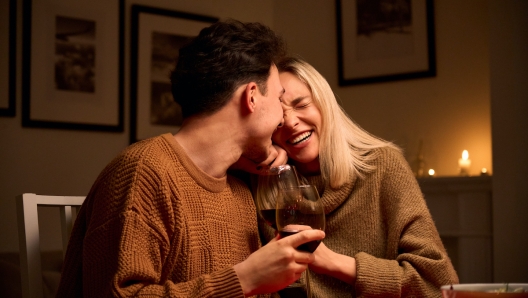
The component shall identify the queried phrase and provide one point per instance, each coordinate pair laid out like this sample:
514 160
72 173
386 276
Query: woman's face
300 133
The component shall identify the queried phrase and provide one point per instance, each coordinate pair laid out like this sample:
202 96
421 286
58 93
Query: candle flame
465 155
431 172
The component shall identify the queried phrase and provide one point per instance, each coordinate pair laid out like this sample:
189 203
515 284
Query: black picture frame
366 38
44 104
8 86
152 28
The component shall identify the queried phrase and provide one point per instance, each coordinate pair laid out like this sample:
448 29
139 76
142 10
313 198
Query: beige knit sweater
155 225
383 222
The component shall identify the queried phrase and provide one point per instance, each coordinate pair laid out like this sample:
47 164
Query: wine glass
269 186
300 208
270 182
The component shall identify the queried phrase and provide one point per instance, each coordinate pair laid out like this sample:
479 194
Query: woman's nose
290 119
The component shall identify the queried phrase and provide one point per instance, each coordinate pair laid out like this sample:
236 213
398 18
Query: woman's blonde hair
343 144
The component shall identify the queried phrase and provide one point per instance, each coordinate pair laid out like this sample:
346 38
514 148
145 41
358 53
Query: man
164 218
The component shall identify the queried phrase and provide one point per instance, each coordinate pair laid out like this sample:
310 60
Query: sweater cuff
226 284
377 276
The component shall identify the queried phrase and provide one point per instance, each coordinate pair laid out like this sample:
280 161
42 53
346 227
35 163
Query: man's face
268 116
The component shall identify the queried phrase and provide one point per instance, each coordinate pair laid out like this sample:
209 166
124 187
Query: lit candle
464 163
431 172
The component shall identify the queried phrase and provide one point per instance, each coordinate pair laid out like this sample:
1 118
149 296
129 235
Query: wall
48 161
509 103
450 112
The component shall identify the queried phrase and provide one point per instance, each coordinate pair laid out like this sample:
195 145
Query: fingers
276 157
272 155
245 164
297 228
249 166
302 237
281 158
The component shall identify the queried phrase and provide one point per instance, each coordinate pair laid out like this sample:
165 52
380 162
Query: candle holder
419 166
464 172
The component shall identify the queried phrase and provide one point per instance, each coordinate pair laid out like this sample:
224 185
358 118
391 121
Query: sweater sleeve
417 263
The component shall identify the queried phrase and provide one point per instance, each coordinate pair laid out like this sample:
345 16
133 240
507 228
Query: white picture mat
50 104
354 67
147 24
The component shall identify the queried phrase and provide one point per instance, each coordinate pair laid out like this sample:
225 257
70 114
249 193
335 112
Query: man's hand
277 264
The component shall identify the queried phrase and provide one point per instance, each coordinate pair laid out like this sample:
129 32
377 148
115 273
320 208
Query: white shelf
462 211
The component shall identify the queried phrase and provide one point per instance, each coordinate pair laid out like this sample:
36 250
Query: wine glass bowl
299 208
269 186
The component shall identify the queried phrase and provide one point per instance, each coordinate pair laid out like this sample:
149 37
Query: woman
380 238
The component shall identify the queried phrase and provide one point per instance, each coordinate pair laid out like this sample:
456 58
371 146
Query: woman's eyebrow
297 100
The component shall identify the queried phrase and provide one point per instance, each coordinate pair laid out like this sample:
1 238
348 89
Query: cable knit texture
383 222
155 225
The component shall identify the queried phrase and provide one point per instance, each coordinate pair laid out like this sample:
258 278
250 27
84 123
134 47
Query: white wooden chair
28 234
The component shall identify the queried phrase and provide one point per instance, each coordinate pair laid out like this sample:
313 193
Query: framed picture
385 40
8 32
73 64
157 36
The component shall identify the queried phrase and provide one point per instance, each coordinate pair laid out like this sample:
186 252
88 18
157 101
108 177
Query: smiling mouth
301 138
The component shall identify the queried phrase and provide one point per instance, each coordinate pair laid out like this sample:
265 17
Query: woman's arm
333 264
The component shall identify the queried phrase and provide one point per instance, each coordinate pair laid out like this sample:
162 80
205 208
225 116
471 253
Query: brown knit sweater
155 225
383 222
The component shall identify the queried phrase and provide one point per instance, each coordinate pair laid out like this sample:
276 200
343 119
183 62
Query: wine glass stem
308 288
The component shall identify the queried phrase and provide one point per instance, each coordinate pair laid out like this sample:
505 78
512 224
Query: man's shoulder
150 144
152 153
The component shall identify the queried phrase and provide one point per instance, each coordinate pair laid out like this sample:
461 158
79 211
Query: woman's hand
337 265
276 157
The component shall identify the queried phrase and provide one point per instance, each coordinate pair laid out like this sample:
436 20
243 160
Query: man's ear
249 97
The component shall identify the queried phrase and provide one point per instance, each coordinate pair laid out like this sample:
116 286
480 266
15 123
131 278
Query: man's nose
281 124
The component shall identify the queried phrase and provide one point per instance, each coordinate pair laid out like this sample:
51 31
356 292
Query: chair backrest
28 234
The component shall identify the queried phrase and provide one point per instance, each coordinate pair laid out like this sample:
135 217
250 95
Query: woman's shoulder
388 153
390 160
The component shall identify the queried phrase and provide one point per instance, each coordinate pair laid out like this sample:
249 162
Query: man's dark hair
221 58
